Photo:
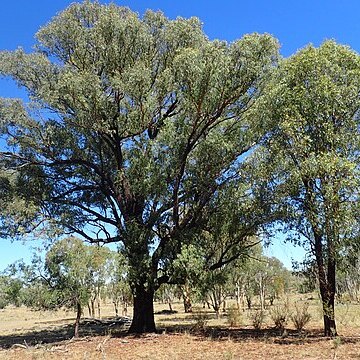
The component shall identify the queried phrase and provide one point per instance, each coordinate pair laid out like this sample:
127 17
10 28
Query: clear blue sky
294 23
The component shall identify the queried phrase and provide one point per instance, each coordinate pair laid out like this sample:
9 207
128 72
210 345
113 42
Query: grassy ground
47 335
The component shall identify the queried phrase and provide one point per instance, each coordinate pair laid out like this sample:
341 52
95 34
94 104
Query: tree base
143 318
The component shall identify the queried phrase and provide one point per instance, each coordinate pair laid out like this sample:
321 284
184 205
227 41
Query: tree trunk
125 306
248 302
143 317
238 298
77 321
187 299
92 308
116 308
327 287
328 304
99 306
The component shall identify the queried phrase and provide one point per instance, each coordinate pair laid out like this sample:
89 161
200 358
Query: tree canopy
135 130
313 154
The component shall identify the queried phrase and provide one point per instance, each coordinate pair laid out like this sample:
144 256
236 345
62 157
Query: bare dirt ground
32 335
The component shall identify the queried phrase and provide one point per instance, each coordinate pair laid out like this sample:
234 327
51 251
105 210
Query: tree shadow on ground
267 335
118 328
88 327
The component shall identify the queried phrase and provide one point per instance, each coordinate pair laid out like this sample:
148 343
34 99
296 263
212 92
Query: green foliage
306 277
136 133
68 266
259 275
118 289
317 139
301 316
312 154
11 289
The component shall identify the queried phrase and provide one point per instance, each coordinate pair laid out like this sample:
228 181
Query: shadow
88 327
266 335
166 312
191 316
117 327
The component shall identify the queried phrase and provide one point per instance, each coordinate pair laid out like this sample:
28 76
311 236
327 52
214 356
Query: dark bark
143 317
249 302
77 321
99 307
116 308
327 285
93 308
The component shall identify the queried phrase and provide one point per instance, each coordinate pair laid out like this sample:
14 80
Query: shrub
3 303
233 316
279 315
258 318
200 318
301 316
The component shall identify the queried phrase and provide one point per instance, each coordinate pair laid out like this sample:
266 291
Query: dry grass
180 339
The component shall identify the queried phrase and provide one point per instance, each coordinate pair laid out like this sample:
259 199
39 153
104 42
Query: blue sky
294 23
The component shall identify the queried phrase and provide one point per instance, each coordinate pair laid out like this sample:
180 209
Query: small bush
301 316
200 318
233 316
279 315
3 303
258 318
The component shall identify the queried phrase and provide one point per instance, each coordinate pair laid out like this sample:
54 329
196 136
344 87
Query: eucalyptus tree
67 275
313 154
99 266
135 126
63 279
118 289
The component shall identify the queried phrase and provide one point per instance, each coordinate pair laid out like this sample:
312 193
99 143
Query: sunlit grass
181 338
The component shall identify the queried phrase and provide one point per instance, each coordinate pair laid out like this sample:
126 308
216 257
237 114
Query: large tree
136 127
313 155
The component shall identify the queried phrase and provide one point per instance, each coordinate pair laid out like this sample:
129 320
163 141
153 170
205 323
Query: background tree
258 275
348 284
99 268
313 103
10 291
65 278
166 294
118 289
67 272
187 271
137 125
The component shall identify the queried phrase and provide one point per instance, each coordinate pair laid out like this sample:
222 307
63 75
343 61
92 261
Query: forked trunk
143 316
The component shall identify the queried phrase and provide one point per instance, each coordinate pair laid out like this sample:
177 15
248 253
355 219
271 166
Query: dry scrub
180 338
